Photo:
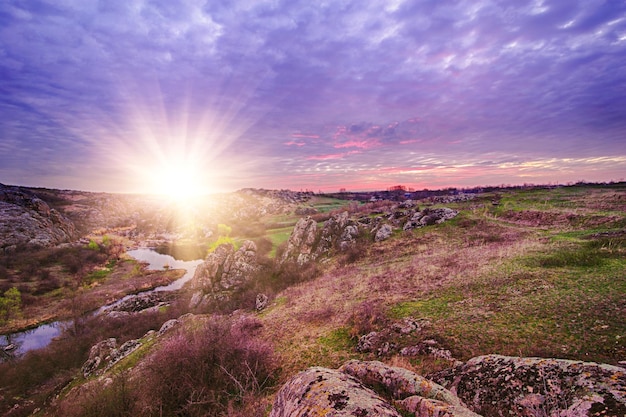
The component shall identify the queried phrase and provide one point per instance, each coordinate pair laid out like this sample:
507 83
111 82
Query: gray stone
534 386
365 389
383 233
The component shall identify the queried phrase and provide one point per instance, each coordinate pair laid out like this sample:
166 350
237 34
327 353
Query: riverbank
126 277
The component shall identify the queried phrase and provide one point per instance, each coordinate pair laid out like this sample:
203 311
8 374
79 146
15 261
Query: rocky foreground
489 385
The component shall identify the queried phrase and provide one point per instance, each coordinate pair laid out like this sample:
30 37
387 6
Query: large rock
428 217
103 355
495 385
339 232
25 219
326 392
224 270
383 233
301 243
365 389
142 301
306 243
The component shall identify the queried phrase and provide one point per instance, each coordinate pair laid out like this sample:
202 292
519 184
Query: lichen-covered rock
495 385
301 243
103 355
139 302
428 217
365 389
168 325
225 269
326 392
383 233
261 302
338 233
97 354
400 383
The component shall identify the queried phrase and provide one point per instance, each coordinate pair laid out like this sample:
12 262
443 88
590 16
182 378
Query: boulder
261 302
326 392
429 217
103 355
383 233
168 325
495 385
365 389
301 242
224 270
142 301
334 234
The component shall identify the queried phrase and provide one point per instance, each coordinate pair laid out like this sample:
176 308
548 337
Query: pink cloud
294 143
302 135
331 156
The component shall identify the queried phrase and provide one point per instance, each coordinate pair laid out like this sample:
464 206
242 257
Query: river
42 335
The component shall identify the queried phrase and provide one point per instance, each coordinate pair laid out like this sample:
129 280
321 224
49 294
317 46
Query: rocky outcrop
495 385
223 271
339 232
428 217
139 302
301 243
105 354
383 233
306 243
26 220
365 389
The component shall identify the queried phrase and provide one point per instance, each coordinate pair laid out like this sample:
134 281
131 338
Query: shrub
222 240
116 399
10 304
207 370
366 317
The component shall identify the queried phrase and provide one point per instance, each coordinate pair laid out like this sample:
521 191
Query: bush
366 318
207 371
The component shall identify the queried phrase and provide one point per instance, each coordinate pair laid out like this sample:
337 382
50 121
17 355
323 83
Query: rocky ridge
27 220
341 231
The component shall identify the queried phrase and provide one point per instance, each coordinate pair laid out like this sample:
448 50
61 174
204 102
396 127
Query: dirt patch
535 218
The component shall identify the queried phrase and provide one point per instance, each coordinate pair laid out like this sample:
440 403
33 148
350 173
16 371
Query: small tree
10 305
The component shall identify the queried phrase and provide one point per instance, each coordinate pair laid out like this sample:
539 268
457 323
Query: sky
217 95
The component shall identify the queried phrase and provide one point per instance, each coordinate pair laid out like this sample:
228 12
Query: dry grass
487 284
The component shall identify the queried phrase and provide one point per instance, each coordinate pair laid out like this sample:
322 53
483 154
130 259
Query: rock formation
428 217
365 389
25 219
495 385
301 243
224 270
105 354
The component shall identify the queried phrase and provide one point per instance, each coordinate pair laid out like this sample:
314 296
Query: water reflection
16 344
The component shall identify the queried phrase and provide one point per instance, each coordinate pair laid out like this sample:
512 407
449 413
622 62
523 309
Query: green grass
565 301
278 237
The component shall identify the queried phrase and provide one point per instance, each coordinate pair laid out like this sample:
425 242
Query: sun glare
179 181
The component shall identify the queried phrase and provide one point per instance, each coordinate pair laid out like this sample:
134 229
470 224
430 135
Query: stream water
39 337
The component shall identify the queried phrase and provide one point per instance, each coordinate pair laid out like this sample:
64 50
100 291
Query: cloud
382 81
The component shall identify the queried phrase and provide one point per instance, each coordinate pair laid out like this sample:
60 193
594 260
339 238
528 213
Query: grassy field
540 273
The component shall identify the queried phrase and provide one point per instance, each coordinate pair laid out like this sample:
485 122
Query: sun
179 181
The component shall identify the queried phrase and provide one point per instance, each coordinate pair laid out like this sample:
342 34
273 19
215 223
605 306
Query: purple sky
320 95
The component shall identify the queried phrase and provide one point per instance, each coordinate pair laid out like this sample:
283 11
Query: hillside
425 286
